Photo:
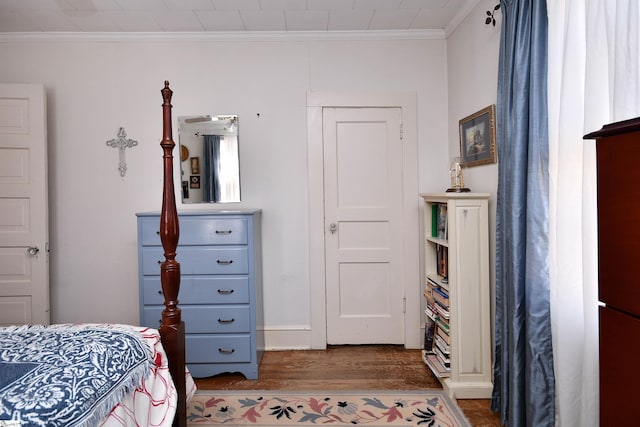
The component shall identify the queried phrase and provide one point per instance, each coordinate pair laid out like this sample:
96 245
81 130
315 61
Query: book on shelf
441 310
428 296
441 296
443 293
430 313
442 324
443 335
436 366
429 334
442 262
434 220
441 344
442 221
431 283
444 359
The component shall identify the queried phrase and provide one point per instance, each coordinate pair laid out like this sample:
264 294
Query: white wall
97 84
472 73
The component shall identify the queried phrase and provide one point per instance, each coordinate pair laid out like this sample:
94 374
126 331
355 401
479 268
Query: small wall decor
195 165
195 181
478 138
185 189
491 15
121 143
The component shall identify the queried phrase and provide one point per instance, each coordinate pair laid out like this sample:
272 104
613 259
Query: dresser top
206 212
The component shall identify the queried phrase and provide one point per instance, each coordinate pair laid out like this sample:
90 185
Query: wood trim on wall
316 101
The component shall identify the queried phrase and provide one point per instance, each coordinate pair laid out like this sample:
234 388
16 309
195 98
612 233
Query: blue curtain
210 168
524 384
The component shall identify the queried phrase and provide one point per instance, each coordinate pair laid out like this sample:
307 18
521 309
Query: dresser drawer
199 290
219 252
205 319
218 349
199 260
201 230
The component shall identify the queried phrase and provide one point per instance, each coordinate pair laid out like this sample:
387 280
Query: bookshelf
456 290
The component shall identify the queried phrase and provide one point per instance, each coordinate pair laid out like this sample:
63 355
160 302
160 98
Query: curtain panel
211 166
594 79
524 385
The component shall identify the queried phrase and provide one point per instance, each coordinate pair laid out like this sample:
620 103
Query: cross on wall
121 143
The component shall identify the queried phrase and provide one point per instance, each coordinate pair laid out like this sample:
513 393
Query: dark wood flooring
370 367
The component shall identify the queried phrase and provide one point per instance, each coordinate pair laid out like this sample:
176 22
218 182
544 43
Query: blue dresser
220 287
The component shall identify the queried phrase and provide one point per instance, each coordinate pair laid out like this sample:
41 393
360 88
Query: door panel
363 212
24 270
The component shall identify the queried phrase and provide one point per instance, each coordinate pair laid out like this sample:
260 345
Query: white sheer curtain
593 79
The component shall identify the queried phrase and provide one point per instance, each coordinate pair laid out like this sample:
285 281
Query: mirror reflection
209 159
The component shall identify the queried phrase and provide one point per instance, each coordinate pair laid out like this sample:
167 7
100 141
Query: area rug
432 408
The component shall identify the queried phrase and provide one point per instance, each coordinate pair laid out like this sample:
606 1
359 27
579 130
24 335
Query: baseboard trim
292 337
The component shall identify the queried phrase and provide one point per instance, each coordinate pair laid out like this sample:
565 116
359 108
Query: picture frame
195 165
194 181
478 138
185 189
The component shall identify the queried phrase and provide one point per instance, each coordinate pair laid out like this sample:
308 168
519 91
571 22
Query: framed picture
194 181
478 138
195 166
185 189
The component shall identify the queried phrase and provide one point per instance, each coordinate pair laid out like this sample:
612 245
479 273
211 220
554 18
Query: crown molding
222 36
460 16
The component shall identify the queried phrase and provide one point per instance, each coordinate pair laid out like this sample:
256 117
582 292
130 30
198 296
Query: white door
24 228
363 225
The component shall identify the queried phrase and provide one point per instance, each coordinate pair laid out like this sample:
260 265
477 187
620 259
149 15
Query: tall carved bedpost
172 326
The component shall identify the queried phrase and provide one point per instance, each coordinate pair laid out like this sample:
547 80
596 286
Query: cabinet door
618 219
619 376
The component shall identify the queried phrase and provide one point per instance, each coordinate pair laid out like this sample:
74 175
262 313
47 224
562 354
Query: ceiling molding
224 36
460 16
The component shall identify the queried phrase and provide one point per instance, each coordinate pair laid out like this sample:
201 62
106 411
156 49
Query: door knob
333 227
33 250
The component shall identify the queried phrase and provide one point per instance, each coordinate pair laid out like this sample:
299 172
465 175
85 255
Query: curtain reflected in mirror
210 159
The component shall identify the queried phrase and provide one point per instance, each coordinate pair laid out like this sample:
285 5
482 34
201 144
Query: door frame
316 101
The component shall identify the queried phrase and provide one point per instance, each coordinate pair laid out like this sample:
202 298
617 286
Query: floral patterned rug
432 408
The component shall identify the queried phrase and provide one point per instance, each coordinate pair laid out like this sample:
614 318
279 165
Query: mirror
209 159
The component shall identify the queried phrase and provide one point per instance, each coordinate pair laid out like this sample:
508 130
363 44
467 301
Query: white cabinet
457 271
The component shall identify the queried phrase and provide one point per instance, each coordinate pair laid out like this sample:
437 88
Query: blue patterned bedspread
68 375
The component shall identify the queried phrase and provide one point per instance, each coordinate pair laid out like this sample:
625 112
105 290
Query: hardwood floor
370 367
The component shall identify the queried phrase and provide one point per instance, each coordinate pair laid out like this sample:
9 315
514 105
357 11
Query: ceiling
229 15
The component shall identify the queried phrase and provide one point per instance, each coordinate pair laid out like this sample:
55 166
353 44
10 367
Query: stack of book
437 340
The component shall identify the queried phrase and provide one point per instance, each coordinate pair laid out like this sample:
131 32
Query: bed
104 374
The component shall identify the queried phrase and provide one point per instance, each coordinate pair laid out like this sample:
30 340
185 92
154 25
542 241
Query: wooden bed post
172 326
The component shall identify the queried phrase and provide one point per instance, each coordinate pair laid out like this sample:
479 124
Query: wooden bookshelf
456 293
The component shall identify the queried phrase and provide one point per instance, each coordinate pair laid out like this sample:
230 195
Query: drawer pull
226 320
158 232
223 231
225 291
227 350
160 292
225 262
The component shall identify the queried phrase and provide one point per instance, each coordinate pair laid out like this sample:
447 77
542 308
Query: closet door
24 227
363 229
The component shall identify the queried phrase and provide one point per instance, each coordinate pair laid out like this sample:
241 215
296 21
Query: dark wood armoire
618 163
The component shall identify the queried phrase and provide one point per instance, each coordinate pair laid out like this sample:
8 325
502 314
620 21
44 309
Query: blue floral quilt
68 375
